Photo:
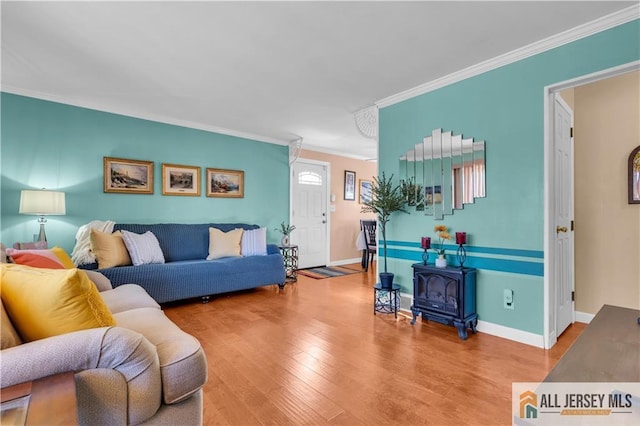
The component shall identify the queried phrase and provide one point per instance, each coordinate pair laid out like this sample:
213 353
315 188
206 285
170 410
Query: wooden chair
369 230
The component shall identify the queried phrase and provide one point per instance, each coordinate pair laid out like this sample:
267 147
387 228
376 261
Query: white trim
141 115
549 333
325 150
601 24
584 317
516 335
506 333
345 262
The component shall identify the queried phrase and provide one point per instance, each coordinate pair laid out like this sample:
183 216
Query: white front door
309 212
564 250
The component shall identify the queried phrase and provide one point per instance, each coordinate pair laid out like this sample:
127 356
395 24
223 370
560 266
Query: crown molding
139 115
324 150
601 24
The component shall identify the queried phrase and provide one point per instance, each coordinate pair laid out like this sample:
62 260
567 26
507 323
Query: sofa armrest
273 249
125 351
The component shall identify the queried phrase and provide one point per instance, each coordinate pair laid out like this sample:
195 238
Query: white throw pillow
254 242
224 244
143 248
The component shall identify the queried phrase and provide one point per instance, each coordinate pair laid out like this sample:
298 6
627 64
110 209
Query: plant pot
386 279
285 240
441 261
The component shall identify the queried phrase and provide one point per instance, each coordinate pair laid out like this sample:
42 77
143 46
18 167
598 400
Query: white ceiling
271 71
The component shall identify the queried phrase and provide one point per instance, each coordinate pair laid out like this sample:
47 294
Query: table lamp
42 203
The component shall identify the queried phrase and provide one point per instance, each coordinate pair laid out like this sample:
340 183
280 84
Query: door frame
327 254
550 304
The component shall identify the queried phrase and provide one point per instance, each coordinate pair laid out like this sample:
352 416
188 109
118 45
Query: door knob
561 229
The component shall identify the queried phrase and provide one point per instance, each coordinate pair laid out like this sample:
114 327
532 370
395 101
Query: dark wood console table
52 401
446 295
608 350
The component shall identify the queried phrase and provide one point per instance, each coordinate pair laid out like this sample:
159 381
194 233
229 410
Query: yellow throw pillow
48 302
109 249
224 244
64 257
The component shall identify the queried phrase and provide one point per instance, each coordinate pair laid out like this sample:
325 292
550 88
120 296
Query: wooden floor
315 354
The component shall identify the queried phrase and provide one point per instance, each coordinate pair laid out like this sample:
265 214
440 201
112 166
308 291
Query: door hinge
571 133
572 226
573 296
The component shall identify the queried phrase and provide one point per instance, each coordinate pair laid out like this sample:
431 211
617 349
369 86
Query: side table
386 300
50 400
290 255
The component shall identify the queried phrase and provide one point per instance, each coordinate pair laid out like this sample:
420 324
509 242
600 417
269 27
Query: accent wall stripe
494 264
536 254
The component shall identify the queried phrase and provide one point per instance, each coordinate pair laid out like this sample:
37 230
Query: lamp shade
42 202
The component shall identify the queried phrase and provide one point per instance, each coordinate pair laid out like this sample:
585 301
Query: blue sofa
186 273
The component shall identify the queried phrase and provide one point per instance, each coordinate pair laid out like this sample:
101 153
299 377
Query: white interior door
564 249
309 212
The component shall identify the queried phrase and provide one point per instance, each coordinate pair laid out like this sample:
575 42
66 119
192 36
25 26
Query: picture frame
126 176
364 191
180 180
225 183
349 185
634 176
433 195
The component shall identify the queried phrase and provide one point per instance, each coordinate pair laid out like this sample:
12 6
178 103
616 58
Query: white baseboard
345 262
584 317
514 334
509 333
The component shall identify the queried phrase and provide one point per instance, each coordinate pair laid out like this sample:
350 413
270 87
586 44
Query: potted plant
285 230
386 199
443 235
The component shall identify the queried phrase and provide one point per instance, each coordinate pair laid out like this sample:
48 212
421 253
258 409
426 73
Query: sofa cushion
101 282
47 302
143 248
126 297
183 365
109 249
254 242
8 335
55 258
224 244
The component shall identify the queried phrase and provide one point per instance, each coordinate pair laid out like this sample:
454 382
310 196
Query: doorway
557 262
309 206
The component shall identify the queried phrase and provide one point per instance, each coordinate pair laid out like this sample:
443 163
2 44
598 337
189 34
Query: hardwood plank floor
314 353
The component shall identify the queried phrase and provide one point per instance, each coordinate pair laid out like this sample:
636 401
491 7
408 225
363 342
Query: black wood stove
446 295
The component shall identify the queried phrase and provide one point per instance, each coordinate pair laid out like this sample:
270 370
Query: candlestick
461 238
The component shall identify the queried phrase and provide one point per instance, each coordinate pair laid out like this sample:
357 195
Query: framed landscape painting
128 176
180 180
225 183
364 191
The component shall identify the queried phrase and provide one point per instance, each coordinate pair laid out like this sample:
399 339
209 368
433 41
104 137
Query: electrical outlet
508 298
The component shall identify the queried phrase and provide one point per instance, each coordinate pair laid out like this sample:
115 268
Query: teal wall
505 108
60 147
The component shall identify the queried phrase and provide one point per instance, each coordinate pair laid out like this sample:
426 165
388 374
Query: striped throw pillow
143 248
254 242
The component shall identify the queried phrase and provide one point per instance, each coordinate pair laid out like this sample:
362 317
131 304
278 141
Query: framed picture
225 183
349 185
364 187
634 176
128 176
433 194
180 180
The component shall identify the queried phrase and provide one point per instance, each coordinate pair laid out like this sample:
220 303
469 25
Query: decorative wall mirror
443 173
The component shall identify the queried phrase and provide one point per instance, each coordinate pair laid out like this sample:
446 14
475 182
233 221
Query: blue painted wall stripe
493 264
537 254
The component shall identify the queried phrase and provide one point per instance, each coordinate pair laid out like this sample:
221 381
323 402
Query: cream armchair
145 370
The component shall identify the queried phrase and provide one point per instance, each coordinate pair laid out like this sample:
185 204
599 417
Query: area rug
327 272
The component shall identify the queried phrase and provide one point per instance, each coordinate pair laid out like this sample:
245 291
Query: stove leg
474 326
462 329
415 315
